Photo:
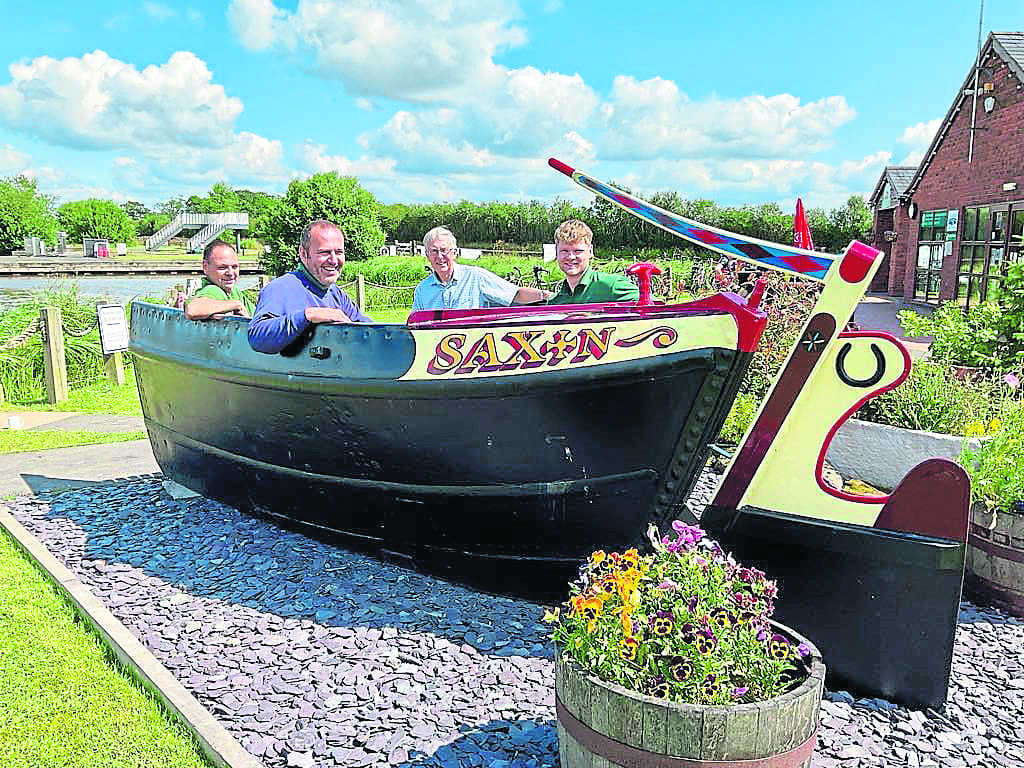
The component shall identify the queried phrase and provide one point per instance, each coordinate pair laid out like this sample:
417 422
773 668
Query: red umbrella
801 232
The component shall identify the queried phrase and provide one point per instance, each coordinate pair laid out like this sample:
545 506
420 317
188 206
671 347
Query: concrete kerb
214 741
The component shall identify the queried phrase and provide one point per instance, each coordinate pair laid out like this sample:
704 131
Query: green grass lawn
99 397
62 703
21 440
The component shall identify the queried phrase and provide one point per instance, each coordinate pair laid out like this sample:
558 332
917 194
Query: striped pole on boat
809 265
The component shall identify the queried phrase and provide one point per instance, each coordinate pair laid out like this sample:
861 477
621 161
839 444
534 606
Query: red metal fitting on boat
642 271
754 300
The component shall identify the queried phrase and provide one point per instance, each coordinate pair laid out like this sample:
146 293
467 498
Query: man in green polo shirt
219 294
574 247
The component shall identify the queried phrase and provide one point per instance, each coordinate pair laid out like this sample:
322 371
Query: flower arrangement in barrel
685 623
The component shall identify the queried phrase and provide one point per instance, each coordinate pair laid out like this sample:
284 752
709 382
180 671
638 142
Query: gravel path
315 656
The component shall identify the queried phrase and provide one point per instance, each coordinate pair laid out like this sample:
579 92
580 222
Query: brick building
957 223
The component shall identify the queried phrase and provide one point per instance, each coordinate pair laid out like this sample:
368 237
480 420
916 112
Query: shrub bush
934 400
324 196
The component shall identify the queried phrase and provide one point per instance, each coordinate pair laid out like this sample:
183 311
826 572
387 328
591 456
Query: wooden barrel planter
995 558
601 724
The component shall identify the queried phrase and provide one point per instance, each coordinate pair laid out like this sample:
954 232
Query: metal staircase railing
215 224
178 223
209 225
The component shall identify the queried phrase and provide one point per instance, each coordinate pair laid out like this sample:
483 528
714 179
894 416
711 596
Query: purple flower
1012 379
778 647
738 692
688 535
689 632
668 585
692 605
680 668
709 686
662 623
803 650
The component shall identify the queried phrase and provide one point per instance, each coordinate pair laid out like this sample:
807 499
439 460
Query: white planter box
881 455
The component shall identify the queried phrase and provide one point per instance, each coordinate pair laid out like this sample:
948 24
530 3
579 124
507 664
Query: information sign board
113 328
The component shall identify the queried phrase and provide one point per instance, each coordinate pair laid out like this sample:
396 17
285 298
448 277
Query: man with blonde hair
451 285
574 247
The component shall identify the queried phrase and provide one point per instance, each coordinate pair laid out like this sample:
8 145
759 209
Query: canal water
117 289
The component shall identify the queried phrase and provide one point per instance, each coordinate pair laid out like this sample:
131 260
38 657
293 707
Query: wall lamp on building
989 103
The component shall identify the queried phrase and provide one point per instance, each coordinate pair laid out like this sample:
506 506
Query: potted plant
673 654
995 551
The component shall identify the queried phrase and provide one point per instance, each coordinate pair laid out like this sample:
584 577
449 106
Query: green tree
329 196
24 212
151 223
176 205
136 211
851 222
391 219
260 206
95 218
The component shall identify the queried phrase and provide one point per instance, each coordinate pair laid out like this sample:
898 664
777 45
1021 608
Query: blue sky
424 100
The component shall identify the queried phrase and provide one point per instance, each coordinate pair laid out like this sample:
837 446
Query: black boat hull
511 480
891 635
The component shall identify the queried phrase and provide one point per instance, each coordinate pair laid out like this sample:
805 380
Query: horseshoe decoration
871 380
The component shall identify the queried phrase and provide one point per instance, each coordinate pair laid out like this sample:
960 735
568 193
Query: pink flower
1012 379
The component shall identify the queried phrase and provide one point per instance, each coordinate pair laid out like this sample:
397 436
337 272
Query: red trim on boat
558 165
839 494
857 261
934 499
749 322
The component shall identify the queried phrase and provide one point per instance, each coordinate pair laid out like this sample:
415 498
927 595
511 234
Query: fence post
361 293
113 364
53 355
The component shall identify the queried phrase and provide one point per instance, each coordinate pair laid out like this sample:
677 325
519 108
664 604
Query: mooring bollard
361 293
54 362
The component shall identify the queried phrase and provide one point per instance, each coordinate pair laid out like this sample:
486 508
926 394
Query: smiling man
219 294
306 296
451 285
574 247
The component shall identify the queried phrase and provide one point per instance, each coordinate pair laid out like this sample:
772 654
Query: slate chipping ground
311 655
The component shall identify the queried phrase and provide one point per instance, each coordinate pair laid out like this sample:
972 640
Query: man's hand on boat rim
326 315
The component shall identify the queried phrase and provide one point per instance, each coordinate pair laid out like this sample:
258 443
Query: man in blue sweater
306 296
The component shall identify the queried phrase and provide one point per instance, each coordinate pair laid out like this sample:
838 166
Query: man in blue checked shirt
460 286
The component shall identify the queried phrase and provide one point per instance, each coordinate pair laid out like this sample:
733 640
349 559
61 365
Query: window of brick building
991 241
931 247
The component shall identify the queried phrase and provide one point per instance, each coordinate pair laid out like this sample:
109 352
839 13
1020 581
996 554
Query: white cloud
652 118
920 135
415 51
13 162
916 139
313 158
98 102
158 11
